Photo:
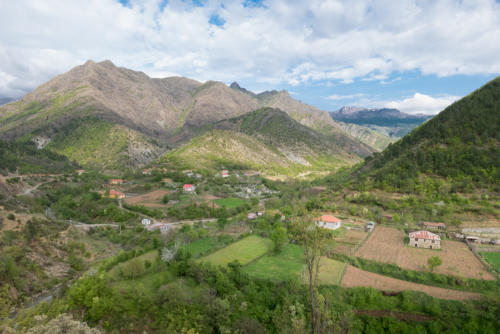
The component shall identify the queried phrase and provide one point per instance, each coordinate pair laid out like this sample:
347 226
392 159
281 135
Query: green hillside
24 157
267 140
460 145
102 145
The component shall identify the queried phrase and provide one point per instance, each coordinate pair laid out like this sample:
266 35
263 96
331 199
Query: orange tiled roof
329 219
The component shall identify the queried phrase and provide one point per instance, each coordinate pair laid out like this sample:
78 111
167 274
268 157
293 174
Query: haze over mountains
105 116
390 122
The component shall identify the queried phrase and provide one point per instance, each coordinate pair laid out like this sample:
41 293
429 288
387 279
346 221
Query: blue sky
418 56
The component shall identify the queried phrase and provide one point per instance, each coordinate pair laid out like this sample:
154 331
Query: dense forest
461 145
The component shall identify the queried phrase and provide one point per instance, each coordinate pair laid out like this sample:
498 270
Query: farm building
434 226
188 188
388 217
329 222
116 181
146 221
425 239
162 227
116 194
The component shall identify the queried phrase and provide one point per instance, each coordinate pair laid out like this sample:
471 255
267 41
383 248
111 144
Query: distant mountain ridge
390 122
144 116
460 146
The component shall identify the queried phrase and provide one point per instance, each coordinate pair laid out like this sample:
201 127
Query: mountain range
109 117
389 122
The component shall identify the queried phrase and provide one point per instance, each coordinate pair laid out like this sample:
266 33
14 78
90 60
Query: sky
417 56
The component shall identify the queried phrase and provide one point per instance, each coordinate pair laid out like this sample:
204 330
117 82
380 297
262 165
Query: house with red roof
116 181
188 188
424 239
116 194
329 222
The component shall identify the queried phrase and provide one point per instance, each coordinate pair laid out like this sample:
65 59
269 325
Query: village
245 198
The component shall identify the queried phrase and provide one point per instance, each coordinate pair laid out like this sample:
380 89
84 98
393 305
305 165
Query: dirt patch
396 314
13 225
151 197
387 245
354 277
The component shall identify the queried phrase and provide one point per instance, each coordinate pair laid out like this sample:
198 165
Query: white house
163 227
146 221
329 222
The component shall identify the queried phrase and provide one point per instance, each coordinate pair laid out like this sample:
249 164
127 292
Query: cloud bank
271 42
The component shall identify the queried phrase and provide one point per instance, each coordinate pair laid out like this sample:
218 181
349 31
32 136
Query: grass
150 256
492 258
280 267
203 246
245 251
230 203
330 271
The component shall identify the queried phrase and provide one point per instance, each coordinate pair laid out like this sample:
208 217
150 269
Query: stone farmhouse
424 239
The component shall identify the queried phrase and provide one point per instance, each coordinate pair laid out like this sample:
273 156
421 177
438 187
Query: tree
279 238
133 268
313 239
434 261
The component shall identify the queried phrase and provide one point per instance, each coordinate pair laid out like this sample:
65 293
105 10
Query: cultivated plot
245 251
279 267
151 199
355 277
387 245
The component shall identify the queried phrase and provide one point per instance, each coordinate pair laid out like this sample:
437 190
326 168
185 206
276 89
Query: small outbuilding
188 188
434 226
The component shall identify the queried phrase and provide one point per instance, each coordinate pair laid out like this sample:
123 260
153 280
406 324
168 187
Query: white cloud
422 104
294 42
337 97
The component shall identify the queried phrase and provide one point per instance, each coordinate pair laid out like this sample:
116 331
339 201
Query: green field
204 245
289 263
330 271
229 203
493 258
245 251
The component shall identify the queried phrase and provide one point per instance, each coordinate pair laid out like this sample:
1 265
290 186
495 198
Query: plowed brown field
354 277
386 245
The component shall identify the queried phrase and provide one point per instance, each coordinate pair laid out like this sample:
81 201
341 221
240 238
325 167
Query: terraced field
387 245
245 251
354 277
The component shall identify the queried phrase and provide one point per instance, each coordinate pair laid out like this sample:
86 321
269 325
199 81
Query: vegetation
434 261
493 258
459 144
243 251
